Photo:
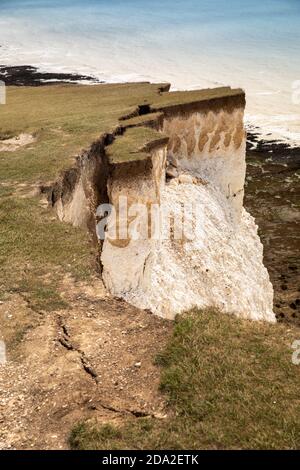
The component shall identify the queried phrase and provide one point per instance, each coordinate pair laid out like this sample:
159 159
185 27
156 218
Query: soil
92 360
11 145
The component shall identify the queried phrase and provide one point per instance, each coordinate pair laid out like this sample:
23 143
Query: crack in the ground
135 413
65 341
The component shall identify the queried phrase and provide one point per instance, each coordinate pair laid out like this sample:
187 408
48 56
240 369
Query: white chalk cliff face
219 264
211 145
222 267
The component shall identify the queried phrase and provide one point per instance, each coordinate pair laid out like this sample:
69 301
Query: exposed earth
92 360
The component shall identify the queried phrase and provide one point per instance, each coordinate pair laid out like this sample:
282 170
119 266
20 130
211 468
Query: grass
229 384
67 118
36 250
144 119
134 145
64 119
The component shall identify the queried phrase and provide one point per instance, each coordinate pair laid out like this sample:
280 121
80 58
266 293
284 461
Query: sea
252 44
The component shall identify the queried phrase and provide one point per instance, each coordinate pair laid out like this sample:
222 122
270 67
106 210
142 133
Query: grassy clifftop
66 119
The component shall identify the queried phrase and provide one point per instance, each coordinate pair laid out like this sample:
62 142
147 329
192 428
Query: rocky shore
272 196
26 75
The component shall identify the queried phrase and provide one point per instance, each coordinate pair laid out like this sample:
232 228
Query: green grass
36 250
134 145
229 384
64 119
144 119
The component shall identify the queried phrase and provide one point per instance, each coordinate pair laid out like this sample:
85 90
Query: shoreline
269 134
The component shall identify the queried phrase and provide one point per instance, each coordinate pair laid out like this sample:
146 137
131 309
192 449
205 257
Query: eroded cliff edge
184 149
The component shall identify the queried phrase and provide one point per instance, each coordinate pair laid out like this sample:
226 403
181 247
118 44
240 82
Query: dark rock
25 75
272 196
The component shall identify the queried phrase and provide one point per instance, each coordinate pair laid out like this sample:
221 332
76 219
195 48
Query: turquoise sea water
191 43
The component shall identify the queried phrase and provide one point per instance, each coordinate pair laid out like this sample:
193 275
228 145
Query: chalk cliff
184 155
222 265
